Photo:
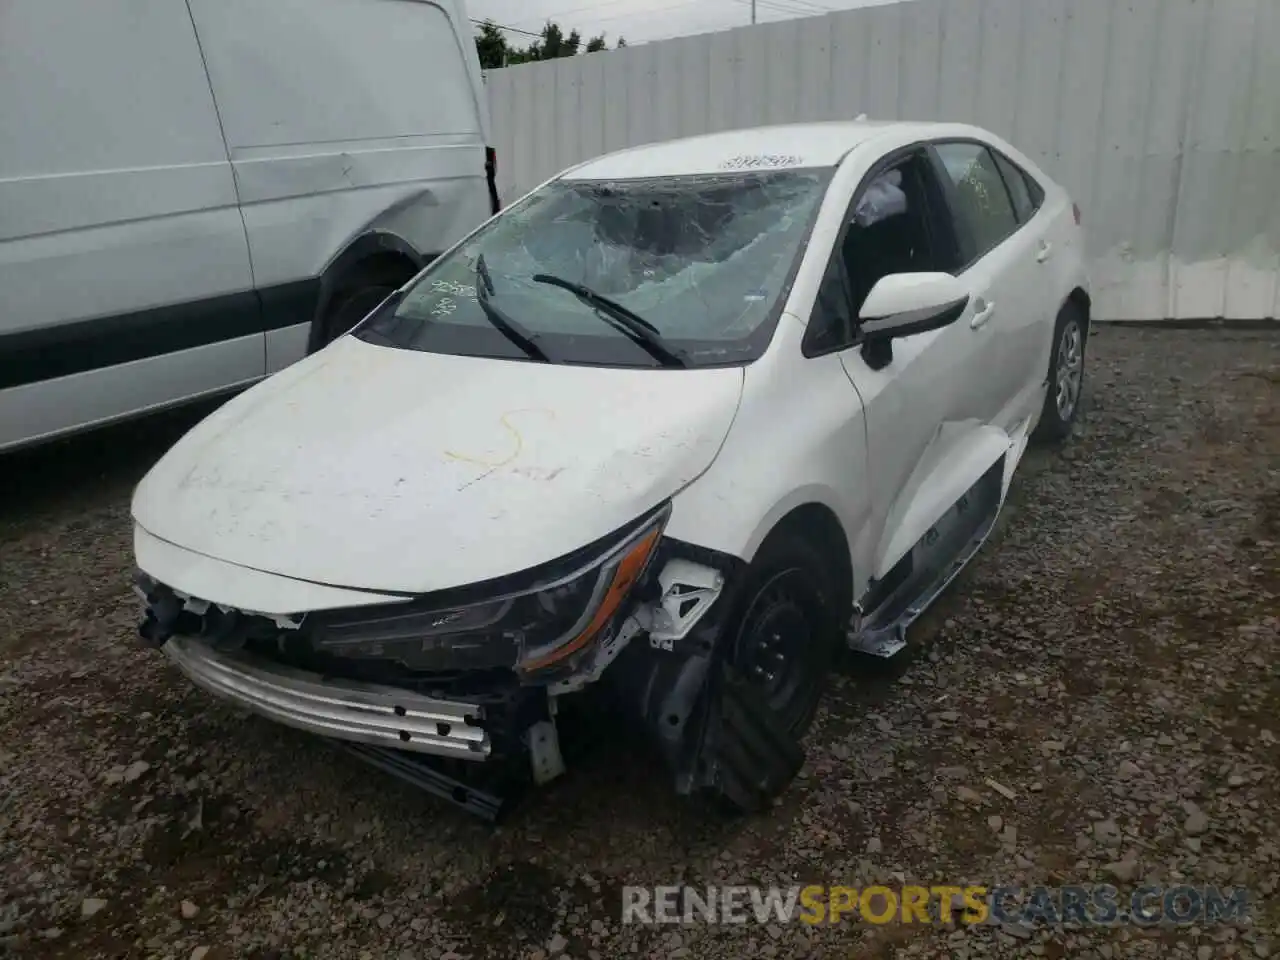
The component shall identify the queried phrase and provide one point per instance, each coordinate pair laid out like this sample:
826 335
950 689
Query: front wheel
779 646
784 634
1066 376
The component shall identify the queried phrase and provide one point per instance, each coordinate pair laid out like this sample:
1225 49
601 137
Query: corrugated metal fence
1161 116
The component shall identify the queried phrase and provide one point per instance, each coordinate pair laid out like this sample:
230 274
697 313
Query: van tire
358 293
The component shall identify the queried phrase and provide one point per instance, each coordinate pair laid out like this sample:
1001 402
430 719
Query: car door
927 395
1042 226
1001 266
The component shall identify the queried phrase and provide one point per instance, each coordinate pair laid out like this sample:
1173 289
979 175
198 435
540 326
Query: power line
776 6
503 26
800 6
809 9
554 18
646 13
595 20
560 14
807 4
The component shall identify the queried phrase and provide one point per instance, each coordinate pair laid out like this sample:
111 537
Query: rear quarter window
316 71
1026 193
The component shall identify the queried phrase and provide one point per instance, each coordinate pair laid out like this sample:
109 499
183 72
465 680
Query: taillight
1075 212
491 175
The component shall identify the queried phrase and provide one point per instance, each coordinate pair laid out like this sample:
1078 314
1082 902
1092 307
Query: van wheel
362 291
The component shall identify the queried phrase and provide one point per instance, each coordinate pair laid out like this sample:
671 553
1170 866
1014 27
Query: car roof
785 146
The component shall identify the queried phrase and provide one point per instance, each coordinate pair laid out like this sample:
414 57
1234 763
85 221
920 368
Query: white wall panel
1161 117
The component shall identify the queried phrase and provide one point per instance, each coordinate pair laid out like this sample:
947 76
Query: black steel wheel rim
779 640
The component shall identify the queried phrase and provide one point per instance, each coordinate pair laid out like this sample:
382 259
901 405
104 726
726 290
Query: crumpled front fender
705 719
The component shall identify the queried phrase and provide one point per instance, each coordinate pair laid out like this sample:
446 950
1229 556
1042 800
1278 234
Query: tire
786 628
1066 376
357 296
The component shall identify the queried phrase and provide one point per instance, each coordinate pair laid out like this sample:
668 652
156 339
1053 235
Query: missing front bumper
669 676
342 709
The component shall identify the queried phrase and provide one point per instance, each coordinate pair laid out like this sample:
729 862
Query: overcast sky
640 20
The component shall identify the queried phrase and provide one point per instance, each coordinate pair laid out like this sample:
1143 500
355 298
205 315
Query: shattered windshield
680 271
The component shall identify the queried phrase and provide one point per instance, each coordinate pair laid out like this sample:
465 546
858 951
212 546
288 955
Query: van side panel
120 237
342 117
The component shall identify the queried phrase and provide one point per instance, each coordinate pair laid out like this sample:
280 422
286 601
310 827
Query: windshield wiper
513 331
644 333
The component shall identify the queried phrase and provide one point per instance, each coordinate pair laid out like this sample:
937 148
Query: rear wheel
1066 376
358 295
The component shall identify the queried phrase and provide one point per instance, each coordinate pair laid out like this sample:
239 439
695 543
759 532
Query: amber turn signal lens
625 575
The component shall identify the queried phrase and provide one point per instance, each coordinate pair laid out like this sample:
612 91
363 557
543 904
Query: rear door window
982 203
1025 201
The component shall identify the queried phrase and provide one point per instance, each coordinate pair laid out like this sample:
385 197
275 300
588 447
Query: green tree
555 44
495 51
492 47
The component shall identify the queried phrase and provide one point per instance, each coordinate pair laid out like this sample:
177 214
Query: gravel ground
1098 698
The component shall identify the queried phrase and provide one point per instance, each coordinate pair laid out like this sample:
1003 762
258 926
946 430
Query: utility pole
753 12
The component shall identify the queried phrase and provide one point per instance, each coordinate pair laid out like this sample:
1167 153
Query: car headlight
535 628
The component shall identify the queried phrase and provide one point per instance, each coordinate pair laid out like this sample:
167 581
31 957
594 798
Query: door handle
985 309
1045 251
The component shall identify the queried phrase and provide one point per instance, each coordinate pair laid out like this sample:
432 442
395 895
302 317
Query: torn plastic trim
709 722
171 612
746 752
610 643
688 590
542 741
685 590
665 687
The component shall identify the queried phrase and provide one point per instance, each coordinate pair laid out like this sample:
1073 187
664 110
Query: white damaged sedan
674 425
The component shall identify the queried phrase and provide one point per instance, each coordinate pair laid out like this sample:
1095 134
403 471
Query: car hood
384 469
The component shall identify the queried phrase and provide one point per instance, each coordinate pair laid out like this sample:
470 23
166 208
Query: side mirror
903 304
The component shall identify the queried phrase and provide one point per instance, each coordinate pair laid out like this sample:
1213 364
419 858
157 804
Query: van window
102 86
322 71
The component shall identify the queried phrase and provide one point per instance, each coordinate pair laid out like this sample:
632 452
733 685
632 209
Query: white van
194 195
